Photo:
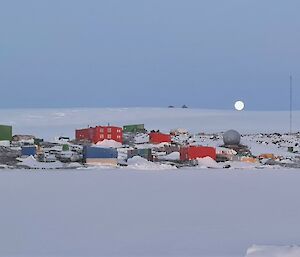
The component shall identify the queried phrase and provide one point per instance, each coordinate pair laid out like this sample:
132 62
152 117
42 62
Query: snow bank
109 143
74 165
140 163
273 251
208 162
32 163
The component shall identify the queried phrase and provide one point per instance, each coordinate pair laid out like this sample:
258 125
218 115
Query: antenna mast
291 104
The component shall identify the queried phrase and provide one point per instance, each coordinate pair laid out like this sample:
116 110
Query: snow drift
208 162
109 143
140 163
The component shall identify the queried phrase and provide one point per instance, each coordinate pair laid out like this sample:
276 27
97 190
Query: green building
135 128
5 132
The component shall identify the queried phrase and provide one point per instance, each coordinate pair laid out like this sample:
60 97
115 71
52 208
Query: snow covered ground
133 212
111 212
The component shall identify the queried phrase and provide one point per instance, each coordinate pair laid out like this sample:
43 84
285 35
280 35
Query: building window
101 136
101 130
119 130
109 130
109 136
118 136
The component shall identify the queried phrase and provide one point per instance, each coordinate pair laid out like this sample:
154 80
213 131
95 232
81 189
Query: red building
194 152
100 133
157 138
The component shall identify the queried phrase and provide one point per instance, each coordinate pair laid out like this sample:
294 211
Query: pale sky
122 53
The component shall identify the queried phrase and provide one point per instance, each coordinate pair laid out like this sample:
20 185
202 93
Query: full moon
239 105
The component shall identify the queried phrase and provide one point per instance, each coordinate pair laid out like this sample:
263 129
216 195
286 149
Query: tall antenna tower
291 104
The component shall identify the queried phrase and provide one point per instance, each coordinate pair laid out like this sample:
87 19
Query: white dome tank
232 137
